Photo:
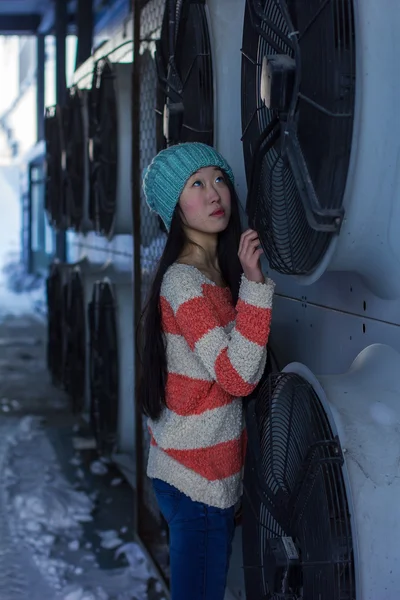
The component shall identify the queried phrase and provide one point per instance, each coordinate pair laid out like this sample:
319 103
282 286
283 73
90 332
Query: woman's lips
218 213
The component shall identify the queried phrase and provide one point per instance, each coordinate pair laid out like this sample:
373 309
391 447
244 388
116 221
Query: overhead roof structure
28 17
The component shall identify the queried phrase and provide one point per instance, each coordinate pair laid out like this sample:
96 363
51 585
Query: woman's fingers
243 238
248 236
249 256
250 245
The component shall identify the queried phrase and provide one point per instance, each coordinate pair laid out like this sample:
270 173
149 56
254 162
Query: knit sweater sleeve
235 360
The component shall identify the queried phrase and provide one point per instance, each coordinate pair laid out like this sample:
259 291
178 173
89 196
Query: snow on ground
20 294
43 554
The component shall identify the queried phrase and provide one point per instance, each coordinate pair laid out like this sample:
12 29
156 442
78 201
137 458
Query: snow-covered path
43 555
19 578
44 551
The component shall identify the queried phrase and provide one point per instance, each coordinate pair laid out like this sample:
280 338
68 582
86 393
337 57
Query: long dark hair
153 374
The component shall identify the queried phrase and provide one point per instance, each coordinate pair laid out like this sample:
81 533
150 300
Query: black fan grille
104 378
76 149
319 129
55 196
294 487
104 148
55 324
185 74
75 341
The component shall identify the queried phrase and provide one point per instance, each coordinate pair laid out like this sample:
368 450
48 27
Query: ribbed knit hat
169 171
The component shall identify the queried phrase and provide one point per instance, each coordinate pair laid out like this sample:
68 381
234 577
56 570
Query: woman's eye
220 179
196 182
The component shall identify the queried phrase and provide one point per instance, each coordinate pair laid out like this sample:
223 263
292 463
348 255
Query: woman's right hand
249 256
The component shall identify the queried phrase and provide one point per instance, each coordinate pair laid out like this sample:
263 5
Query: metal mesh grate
152 241
294 489
151 236
297 155
151 19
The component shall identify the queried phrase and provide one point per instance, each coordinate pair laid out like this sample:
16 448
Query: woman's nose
213 194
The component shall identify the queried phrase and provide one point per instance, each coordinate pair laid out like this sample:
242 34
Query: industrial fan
298 103
185 104
55 200
55 286
321 472
110 148
75 341
103 366
77 160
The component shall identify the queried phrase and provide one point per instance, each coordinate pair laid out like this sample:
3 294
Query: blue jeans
200 544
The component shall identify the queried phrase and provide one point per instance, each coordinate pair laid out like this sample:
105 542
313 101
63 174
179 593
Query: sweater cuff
257 294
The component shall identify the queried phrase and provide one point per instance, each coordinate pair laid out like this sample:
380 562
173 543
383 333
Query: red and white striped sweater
216 354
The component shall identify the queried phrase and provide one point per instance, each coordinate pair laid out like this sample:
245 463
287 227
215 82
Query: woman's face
206 201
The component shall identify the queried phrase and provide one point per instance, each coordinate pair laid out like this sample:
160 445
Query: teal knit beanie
169 171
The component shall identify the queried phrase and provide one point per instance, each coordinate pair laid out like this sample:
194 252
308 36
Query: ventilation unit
110 148
185 103
80 301
111 368
104 367
321 517
76 128
55 201
75 339
321 167
56 284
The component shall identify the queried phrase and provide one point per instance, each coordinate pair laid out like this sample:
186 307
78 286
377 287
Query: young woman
206 328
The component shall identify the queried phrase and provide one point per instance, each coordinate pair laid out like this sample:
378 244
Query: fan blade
274 504
258 16
265 142
320 219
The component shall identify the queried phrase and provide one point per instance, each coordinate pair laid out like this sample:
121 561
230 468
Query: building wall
9 71
9 66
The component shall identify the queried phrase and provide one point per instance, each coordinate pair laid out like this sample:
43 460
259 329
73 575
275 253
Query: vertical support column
61 34
40 105
61 89
40 82
136 229
84 21
27 221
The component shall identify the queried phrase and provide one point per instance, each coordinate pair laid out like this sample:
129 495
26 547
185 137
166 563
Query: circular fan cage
297 540
55 323
103 147
103 360
76 151
55 196
185 102
75 341
298 92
